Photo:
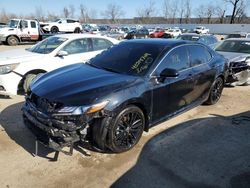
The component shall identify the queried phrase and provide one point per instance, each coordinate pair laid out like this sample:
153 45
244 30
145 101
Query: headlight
5 69
78 110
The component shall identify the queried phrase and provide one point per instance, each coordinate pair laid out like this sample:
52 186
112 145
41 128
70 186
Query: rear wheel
215 92
126 130
77 30
12 41
54 29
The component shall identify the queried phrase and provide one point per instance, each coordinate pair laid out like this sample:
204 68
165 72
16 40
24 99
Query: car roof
165 42
238 39
80 35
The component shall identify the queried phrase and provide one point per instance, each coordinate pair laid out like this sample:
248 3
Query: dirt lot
205 147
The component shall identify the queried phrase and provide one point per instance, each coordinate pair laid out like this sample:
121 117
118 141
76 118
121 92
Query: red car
158 34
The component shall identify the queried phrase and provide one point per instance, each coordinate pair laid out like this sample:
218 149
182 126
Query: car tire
126 129
54 29
77 30
27 81
215 91
12 41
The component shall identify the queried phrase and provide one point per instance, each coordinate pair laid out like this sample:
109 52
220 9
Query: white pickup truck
62 25
201 30
20 30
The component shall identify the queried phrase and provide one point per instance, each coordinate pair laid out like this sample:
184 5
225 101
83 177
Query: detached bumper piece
53 133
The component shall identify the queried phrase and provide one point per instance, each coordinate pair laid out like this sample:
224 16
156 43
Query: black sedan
237 51
140 33
122 92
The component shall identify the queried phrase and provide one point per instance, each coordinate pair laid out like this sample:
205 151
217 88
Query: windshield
234 46
48 45
13 23
128 58
188 37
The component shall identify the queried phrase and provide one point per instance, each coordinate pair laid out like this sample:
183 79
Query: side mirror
172 73
62 53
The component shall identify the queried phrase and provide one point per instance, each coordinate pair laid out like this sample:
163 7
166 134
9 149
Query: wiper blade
109 69
92 65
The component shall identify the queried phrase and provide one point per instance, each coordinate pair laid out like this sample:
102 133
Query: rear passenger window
198 55
33 24
101 44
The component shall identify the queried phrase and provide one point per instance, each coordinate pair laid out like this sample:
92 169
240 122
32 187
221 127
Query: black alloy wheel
127 129
216 91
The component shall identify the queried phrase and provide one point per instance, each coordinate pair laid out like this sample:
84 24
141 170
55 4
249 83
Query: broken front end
239 72
57 126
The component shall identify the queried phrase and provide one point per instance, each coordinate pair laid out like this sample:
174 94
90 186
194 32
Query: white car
19 67
174 32
62 25
201 30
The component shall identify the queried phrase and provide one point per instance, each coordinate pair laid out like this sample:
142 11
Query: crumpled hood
234 57
17 56
79 84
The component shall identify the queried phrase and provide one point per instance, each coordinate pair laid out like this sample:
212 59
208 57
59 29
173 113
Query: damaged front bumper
52 132
239 74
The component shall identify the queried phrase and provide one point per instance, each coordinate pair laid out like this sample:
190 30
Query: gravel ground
205 147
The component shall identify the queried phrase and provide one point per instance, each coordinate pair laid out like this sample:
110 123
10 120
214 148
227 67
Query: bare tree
235 4
240 12
200 13
113 12
84 14
66 12
220 13
147 12
187 11
71 11
209 12
181 10
39 14
51 16
166 6
4 17
173 11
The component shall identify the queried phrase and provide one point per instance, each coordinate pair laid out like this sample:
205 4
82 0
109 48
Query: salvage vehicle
209 40
173 32
20 30
158 34
201 30
20 66
113 98
138 33
237 51
62 25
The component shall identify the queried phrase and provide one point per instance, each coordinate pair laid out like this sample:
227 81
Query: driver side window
177 59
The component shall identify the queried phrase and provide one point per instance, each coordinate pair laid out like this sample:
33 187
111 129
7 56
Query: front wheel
126 130
12 41
215 92
28 80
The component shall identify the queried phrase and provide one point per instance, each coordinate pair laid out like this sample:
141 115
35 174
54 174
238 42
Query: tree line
172 12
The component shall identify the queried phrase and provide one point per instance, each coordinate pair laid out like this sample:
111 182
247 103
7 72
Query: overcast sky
130 7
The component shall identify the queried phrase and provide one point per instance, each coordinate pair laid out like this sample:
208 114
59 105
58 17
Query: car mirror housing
172 73
62 53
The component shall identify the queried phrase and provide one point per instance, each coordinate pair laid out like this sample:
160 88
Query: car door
34 33
172 94
203 74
